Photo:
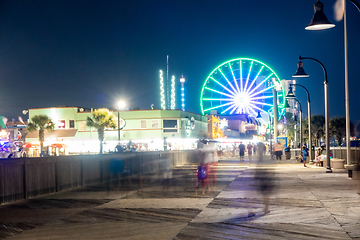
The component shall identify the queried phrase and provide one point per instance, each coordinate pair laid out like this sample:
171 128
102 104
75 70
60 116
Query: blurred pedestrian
261 149
241 151
357 168
304 155
116 168
119 148
167 173
278 148
203 167
249 148
318 157
213 166
265 179
209 152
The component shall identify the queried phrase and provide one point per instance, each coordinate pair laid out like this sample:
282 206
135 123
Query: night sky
93 53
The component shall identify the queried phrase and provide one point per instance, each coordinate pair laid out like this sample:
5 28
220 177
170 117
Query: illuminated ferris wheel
241 86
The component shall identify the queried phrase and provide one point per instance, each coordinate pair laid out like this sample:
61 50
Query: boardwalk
308 204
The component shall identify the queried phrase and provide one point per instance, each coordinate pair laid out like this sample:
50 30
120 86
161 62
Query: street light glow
121 104
320 26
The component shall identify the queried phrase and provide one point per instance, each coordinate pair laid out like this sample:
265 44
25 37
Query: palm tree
317 127
305 127
40 122
338 128
290 123
101 118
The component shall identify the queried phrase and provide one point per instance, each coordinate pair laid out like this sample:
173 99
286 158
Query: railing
29 177
338 152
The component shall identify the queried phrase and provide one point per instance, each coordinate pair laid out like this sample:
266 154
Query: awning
57 145
53 134
30 145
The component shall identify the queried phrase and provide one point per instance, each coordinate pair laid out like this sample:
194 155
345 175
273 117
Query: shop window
143 124
155 123
170 126
61 124
82 126
71 123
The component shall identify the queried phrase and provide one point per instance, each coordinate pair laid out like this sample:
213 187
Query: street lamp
292 95
300 72
317 24
319 20
301 115
120 105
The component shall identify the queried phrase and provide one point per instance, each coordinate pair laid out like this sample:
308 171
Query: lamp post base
328 170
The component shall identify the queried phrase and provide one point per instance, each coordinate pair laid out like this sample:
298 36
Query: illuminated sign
61 124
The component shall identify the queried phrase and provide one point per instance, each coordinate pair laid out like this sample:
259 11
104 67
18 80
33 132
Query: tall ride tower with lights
167 89
182 81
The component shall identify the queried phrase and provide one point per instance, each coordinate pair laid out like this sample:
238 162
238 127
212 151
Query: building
214 127
141 129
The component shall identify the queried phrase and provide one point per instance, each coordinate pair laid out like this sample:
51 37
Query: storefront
144 130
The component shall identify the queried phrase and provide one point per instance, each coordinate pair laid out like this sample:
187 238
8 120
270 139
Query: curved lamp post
300 72
292 95
319 23
301 113
120 105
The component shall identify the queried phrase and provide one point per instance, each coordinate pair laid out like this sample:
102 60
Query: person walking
261 149
304 155
213 166
241 151
265 179
278 148
249 148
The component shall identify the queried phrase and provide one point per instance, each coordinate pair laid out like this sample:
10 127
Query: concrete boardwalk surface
307 204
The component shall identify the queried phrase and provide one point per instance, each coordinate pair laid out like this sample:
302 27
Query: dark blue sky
92 53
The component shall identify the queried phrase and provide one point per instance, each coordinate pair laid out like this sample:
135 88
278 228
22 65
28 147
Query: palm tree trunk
41 139
101 139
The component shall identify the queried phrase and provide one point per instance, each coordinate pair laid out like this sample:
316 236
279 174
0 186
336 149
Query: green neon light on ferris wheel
233 91
248 76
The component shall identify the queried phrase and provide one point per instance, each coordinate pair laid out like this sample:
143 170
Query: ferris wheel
242 86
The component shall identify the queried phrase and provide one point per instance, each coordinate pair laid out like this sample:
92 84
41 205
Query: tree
40 122
101 118
305 128
337 128
290 123
317 127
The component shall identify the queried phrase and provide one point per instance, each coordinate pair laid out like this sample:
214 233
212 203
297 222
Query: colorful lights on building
182 81
162 96
172 105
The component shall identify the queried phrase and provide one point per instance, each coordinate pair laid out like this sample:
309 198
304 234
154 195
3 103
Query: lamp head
300 72
319 20
259 115
290 93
